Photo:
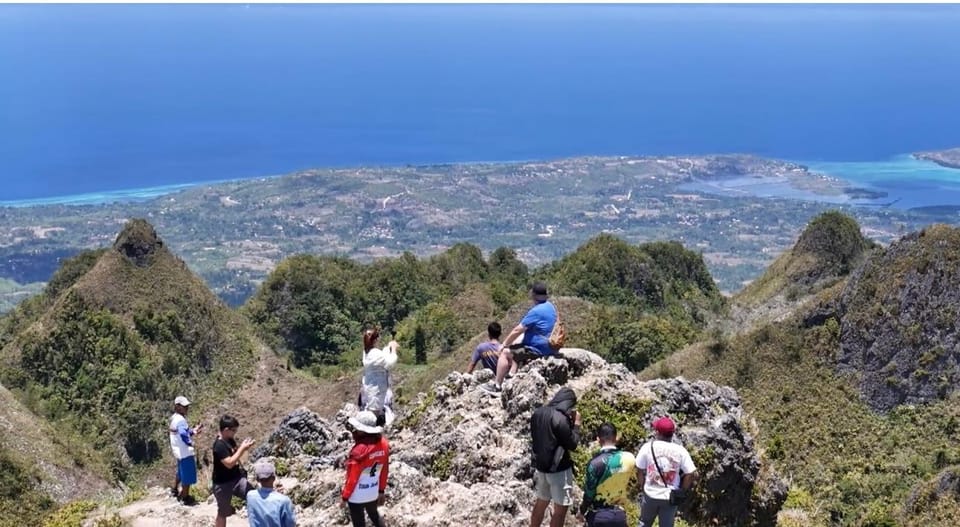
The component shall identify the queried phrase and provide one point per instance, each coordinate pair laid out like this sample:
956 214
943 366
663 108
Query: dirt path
260 405
158 509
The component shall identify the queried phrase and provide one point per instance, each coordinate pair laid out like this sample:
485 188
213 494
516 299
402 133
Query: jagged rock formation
898 320
138 241
462 456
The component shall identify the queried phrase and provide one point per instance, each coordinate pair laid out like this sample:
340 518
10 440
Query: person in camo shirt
605 487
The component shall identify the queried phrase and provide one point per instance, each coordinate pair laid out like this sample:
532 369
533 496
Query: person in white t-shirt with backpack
181 442
668 475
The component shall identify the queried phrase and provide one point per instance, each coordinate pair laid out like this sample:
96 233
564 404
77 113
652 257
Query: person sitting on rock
367 468
488 353
535 327
375 393
555 431
266 506
660 462
607 479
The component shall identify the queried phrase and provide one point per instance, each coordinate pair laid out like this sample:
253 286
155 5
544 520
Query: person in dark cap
555 431
535 328
665 467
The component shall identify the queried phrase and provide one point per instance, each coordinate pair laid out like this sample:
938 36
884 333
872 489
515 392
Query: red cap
664 425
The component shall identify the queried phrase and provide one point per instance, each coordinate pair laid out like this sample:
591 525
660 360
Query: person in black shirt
229 478
555 431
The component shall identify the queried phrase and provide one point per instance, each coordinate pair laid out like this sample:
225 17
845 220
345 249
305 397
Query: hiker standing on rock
488 352
555 430
266 506
181 442
375 393
367 469
535 327
606 482
668 472
229 478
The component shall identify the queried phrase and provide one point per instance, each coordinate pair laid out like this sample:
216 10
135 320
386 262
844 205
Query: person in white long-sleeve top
181 442
375 393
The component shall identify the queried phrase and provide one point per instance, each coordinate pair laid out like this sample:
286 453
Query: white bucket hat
365 421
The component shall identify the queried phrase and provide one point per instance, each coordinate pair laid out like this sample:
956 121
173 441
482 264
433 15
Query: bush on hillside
685 273
619 335
315 307
607 270
305 307
834 238
93 371
21 501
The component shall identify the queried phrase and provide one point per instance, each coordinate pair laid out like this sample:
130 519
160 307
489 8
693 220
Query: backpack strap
654 456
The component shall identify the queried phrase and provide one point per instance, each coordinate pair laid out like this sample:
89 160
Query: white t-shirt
180 449
673 460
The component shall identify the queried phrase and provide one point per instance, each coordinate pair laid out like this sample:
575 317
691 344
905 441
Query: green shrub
71 515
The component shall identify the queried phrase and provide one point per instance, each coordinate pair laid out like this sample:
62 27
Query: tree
420 345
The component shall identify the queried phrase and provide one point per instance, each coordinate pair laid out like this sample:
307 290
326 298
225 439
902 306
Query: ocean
96 99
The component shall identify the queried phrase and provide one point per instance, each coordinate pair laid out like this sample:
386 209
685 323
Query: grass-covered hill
830 247
116 334
828 384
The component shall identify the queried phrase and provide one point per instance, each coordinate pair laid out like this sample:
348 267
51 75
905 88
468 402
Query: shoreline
142 194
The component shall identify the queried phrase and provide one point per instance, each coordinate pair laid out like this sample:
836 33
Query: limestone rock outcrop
461 456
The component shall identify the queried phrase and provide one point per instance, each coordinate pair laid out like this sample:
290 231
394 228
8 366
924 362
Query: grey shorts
554 486
224 492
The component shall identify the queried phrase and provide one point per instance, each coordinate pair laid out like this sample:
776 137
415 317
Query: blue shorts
187 470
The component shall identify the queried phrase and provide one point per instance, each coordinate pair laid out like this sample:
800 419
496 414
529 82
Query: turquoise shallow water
95 198
908 182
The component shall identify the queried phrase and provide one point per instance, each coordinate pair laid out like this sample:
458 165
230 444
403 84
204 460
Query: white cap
182 401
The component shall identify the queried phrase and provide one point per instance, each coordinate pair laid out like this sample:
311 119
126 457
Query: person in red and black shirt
367 468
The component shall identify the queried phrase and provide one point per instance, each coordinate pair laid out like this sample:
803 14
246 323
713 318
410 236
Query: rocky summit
461 457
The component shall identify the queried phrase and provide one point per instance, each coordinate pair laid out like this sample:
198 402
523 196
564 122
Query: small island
949 158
